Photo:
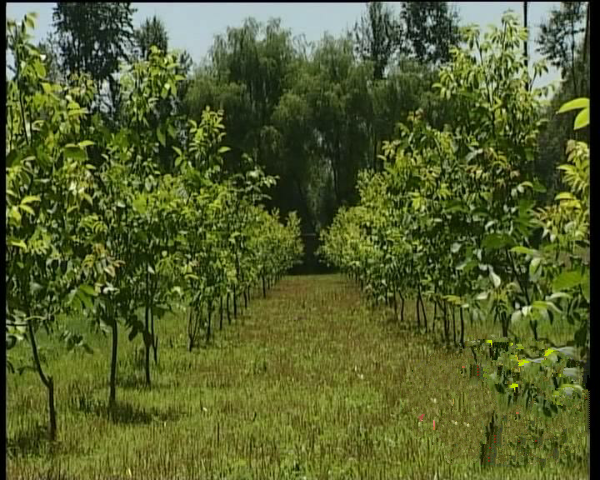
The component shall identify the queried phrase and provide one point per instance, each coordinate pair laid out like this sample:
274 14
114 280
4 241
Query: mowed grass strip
310 383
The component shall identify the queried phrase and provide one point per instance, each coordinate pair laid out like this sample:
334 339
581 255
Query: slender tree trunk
423 309
228 308
401 307
264 288
454 324
193 322
234 301
586 39
418 314
154 337
47 380
504 321
462 329
446 326
395 307
435 306
526 43
209 308
147 342
533 324
112 397
221 312
573 69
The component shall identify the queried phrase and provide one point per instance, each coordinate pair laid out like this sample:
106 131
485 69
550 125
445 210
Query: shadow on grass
125 413
32 441
134 382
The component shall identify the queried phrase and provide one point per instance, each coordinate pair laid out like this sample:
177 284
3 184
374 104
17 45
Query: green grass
310 383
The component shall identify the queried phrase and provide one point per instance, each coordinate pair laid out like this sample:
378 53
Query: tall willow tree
151 32
378 37
94 38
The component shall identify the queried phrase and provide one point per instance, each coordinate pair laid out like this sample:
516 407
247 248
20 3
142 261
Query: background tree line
315 114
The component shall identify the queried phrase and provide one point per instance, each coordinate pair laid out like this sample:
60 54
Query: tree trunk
234 301
228 308
221 312
264 287
152 331
401 307
462 328
147 342
423 309
154 338
112 397
48 382
526 44
533 324
504 321
586 39
147 346
193 322
446 326
573 68
209 309
454 324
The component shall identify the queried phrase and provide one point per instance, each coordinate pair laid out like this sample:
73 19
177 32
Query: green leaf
564 196
586 288
28 209
11 157
17 243
39 69
85 143
495 241
161 136
582 120
165 90
88 290
567 280
85 299
30 199
534 265
576 104
556 295
15 214
77 112
526 251
74 152
495 279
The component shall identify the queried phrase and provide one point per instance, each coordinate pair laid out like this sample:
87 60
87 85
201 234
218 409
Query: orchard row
457 218
119 216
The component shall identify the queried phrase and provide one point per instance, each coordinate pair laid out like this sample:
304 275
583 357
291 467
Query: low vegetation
309 383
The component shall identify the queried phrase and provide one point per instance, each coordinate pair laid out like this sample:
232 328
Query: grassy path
308 384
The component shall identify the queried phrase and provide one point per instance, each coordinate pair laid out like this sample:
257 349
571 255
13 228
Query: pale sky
192 26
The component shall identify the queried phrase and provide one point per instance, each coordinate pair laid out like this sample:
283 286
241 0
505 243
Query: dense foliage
100 224
454 217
